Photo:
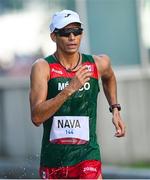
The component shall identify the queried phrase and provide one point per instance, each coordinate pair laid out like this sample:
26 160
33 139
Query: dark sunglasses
67 31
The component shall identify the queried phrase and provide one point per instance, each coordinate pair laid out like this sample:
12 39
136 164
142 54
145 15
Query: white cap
63 18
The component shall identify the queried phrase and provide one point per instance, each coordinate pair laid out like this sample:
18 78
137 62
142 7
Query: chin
72 51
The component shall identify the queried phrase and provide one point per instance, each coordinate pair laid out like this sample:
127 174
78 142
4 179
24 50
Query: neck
68 61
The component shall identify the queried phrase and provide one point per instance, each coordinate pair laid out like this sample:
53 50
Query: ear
53 36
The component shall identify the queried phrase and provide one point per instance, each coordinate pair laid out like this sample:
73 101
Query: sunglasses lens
67 32
77 32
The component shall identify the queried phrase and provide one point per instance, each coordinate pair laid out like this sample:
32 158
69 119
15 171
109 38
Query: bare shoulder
40 67
40 63
102 62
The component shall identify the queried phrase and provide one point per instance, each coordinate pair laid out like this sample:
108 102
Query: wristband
113 106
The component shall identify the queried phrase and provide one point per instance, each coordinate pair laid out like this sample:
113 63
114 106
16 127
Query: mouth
71 45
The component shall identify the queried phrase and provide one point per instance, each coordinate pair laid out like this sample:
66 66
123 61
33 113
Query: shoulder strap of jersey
89 61
50 59
87 58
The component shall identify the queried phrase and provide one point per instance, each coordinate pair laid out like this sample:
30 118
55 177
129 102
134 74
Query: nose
71 36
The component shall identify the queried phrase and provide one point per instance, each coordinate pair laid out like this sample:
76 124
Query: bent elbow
36 124
35 120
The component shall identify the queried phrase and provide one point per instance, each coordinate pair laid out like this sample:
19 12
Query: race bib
70 130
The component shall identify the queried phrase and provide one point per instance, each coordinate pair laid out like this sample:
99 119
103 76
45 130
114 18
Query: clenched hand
118 123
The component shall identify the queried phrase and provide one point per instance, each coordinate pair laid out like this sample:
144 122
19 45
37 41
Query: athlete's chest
60 78
58 71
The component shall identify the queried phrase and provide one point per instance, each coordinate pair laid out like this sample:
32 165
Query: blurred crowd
20 65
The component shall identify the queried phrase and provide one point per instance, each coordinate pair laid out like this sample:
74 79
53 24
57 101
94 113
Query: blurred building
114 27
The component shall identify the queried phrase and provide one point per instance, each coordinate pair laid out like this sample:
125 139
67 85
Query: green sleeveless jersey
82 103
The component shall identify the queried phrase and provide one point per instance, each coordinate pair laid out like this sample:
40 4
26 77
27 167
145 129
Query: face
68 39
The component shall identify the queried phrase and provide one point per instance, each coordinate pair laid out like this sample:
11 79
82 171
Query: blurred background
118 28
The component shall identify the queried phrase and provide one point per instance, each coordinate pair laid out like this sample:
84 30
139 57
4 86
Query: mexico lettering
61 86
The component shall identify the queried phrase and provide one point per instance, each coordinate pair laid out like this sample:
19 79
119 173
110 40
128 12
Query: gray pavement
125 173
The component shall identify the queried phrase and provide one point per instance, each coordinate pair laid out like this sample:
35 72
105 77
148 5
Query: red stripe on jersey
69 141
56 70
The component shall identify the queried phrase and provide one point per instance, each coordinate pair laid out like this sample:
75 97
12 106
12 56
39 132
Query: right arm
42 109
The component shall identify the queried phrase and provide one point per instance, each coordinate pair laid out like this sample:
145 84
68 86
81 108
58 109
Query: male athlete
63 97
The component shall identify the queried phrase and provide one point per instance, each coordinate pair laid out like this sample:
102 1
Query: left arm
110 89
